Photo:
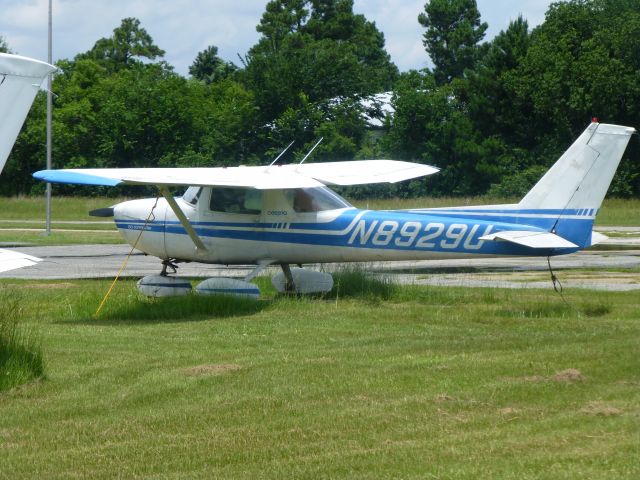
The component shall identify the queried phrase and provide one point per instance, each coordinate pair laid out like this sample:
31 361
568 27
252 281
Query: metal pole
49 106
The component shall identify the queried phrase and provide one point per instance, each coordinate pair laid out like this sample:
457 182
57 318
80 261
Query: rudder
579 180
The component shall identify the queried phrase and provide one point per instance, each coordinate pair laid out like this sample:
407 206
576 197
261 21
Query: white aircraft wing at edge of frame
20 80
11 260
357 172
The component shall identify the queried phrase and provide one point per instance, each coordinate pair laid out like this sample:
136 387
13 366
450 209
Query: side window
319 199
236 200
303 201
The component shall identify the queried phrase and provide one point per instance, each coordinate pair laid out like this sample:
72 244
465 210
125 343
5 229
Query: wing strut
164 190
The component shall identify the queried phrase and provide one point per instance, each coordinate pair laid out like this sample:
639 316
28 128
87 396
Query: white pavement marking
103 261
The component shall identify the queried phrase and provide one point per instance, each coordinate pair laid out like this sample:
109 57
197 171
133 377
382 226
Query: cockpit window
192 194
236 200
317 199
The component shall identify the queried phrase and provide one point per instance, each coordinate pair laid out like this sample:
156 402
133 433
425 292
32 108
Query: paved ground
606 270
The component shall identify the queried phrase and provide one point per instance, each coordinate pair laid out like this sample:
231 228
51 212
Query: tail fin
572 191
579 180
20 79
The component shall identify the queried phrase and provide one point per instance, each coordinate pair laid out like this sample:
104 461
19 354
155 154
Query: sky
185 27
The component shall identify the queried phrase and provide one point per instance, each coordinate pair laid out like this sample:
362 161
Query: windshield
316 199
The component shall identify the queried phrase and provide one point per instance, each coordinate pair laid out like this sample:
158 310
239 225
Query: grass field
22 221
396 382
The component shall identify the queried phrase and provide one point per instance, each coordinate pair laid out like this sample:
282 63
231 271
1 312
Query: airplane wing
260 177
20 79
531 239
11 260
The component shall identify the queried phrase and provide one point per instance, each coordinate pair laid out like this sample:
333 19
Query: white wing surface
11 260
20 79
260 177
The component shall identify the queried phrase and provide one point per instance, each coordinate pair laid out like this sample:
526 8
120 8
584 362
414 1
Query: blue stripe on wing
60 176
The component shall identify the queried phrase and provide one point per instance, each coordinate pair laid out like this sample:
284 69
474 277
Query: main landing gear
289 280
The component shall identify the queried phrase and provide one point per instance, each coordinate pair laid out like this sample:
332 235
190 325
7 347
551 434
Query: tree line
492 114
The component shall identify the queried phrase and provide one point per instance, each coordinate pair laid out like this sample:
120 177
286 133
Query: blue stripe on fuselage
394 230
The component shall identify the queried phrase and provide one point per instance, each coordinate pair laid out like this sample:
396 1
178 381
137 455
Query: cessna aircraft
286 214
20 79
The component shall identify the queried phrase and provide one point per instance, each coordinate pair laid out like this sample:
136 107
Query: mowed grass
62 208
20 355
22 221
404 382
19 237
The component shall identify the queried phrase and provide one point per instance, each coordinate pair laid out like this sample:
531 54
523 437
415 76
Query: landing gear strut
168 263
289 286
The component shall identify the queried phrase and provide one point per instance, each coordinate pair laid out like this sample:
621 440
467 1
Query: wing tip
74 178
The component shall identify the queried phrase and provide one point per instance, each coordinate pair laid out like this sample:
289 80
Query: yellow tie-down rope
150 218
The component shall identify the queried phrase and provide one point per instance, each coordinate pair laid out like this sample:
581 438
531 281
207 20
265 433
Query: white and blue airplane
20 80
286 215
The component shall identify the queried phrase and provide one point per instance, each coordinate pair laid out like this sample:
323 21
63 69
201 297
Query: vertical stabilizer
579 180
20 79
570 194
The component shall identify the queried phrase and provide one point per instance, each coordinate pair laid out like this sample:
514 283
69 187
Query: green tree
496 111
582 62
208 67
4 46
319 49
125 47
341 124
454 31
281 18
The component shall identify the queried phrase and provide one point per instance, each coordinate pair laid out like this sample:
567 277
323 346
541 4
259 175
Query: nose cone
142 224
151 209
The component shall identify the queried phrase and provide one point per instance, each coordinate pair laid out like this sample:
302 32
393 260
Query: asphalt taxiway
616 267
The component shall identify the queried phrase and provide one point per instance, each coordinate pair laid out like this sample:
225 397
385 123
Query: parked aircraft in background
20 79
285 215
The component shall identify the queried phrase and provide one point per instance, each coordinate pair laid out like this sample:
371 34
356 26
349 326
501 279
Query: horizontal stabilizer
597 238
531 239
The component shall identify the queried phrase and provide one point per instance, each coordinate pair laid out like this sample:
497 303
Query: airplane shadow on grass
144 311
132 308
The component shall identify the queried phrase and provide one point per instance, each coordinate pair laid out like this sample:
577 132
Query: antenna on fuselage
310 151
281 153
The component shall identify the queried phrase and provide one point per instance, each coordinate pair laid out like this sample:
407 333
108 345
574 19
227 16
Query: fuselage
276 226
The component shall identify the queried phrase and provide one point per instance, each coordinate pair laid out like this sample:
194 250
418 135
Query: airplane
20 80
286 215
